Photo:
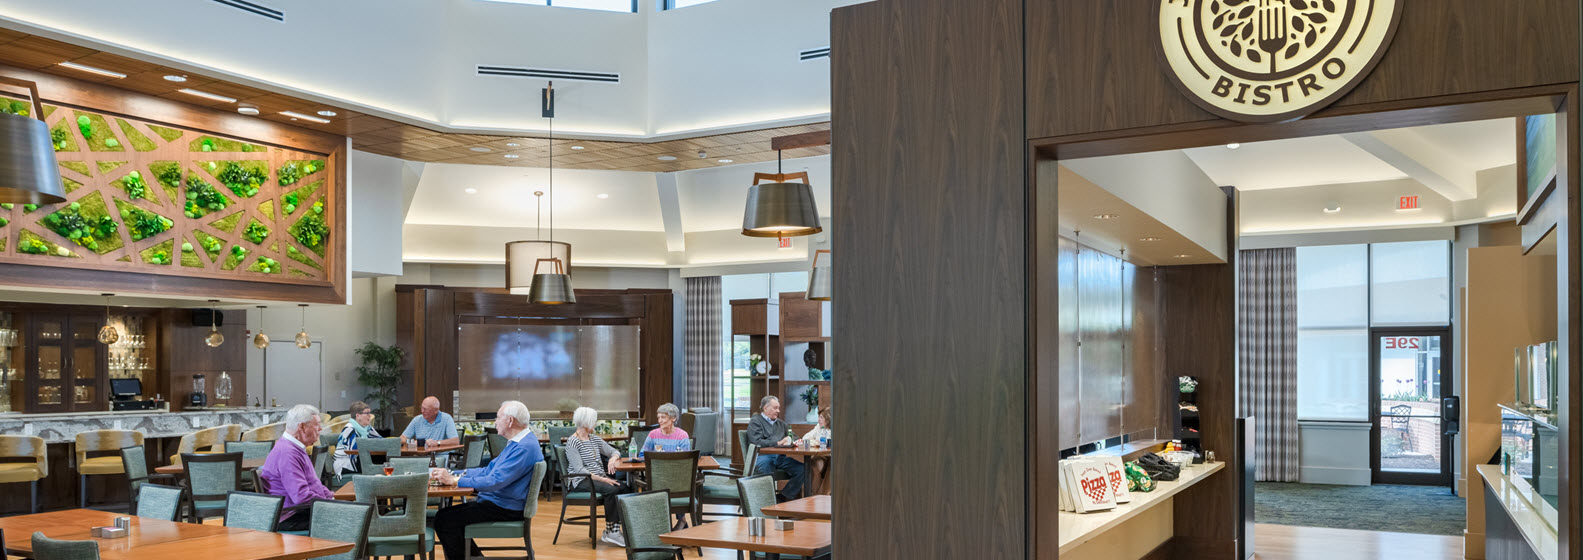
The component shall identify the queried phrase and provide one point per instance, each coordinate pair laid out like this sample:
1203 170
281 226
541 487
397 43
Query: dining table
177 468
628 464
815 480
815 507
807 539
155 539
349 493
410 450
544 439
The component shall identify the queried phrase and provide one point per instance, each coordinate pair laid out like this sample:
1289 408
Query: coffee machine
199 398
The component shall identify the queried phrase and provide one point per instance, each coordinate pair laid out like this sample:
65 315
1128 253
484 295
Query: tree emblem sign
1272 60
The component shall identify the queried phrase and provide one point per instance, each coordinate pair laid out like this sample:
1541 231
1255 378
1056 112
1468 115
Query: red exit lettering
1407 203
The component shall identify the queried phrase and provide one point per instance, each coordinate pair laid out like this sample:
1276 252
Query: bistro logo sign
1273 60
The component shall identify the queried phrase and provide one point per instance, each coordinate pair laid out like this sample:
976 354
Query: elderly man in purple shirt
288 471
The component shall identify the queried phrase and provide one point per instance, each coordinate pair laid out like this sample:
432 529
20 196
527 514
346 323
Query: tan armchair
267 432
201 441
233 432
23 459
99 453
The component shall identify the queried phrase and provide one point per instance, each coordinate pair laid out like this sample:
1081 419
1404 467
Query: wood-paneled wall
183 354
931 311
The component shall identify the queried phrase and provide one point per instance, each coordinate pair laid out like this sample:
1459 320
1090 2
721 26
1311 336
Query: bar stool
233 432
267 432
99 453
201 441
23 459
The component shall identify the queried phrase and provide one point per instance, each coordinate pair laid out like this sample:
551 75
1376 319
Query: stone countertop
25 417
63 428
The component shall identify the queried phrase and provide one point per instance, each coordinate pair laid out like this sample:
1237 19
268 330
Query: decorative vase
813 415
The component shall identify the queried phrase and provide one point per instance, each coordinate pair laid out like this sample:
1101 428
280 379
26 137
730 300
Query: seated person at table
586 454
289 472
346 459
433 425
766 429
502 485
819 432
668 437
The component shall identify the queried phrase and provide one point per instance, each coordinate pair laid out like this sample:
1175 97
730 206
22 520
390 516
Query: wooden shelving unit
783 330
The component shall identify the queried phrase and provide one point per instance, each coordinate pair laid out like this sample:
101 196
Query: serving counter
63 427
1133 529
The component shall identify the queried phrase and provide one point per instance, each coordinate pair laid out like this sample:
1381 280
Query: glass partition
548 366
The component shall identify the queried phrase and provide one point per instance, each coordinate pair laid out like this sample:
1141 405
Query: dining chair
231 432
346 522
158 501
705 431
758 492
508 529
367 447
576 498
675 472
248 510
558 434
719 486
250 449
98 454
45 548
323 462
636 437
201 441
399 532
473 452
266 432
134 460
210 479
23 459
497 444
644 517
408 465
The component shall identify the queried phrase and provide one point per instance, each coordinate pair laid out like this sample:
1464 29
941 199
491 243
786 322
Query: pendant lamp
819 276
28 172
261 340
539 265
780 208
523 258
107 334
214 339
303 340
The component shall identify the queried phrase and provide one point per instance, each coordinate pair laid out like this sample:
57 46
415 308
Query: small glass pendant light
303 340
107 334
215 339
261 340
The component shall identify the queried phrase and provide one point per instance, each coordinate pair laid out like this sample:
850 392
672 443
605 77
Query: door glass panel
1410 403
48 362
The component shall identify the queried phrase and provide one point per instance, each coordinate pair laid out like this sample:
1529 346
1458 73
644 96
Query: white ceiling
714 198
505 198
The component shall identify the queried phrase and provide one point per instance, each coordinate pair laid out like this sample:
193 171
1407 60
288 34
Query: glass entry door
1410 374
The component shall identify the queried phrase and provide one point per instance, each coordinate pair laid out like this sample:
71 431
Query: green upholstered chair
367 448
247 510
509 529
719 486
399 532
575 498
23 459
497 444
758 492
323 463
644 517
210 478
558 434
134 460
99 453
704 431
675 472
250 449
346 522
636 437
157 501
408 465
473 451
45 548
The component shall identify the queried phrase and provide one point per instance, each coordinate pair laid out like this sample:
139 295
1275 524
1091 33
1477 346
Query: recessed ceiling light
1332 208
603 196
1233 146
175 78
470 190
92 70
1105 216
296 115
577 147
1183 256
1151 239
667 158
723 160
326 113
512 156
480 149
207 95
247 110
512 144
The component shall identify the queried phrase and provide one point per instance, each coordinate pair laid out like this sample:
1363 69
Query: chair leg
557 538
593 522
82 491
34 500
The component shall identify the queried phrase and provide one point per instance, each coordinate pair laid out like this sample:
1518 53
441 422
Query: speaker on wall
206 317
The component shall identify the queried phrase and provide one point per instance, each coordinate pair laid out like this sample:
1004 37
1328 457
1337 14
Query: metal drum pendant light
780 208
819 276
540 266
28 172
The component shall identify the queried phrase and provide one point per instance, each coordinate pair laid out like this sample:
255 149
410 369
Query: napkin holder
783 524
109 532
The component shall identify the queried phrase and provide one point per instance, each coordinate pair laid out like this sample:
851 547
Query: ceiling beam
671 214
1421 160
804 140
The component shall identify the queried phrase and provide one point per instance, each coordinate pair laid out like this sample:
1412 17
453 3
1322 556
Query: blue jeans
767 464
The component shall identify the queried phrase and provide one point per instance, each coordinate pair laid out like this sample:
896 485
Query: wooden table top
812 507
810 452
415 451
349 494
544 439
805 538
705 463
247 465
158 540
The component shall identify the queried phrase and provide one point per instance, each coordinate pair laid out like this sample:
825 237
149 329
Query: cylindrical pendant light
107 334
523 258
28 172
780 208
261 340
819 276
214 339
551 283
303 340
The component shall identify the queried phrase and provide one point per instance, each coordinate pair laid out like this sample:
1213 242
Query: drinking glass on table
389 469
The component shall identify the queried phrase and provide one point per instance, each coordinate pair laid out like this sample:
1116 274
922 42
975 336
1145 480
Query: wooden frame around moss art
126 132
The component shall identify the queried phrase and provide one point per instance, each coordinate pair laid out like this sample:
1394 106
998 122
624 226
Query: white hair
585 417
517 411
670 410
299 415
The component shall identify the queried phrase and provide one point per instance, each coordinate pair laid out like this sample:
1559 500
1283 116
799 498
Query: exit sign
1407 203
783 243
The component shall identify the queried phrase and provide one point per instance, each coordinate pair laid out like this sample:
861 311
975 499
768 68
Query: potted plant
810 397
381 373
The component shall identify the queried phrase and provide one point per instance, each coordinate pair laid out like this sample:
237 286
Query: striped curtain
1267 357
703 351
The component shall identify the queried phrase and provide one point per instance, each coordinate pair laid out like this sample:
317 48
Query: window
673 4
1410 283
735 390
629 6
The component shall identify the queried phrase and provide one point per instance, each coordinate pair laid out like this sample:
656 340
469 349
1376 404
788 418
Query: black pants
450 522
299 521
607 493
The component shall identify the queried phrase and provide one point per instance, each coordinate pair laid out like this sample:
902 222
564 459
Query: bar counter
161 423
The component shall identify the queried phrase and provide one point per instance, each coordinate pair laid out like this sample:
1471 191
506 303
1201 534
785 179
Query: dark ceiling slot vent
255 9
814 54
547 74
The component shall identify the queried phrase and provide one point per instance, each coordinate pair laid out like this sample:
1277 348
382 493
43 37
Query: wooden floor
1284 542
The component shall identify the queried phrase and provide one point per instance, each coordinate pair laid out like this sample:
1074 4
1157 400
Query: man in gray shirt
766 429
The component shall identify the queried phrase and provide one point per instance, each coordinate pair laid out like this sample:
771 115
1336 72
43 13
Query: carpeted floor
1381 507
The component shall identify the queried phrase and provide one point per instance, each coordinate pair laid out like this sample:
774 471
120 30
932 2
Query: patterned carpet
1381 507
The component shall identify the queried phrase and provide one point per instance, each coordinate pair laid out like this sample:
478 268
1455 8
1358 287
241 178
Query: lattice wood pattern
99 154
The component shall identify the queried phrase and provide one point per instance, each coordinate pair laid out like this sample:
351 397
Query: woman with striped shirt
587 454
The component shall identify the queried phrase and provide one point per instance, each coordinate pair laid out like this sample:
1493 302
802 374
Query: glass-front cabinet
1531 454
66 363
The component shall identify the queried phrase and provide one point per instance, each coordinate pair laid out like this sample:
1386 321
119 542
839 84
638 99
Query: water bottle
791 436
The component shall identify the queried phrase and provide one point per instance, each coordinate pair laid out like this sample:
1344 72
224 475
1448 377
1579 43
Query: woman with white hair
668 437
586 454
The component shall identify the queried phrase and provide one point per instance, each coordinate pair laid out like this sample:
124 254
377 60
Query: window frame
551 4
671 4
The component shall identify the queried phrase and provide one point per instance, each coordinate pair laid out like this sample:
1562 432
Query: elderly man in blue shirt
502 486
